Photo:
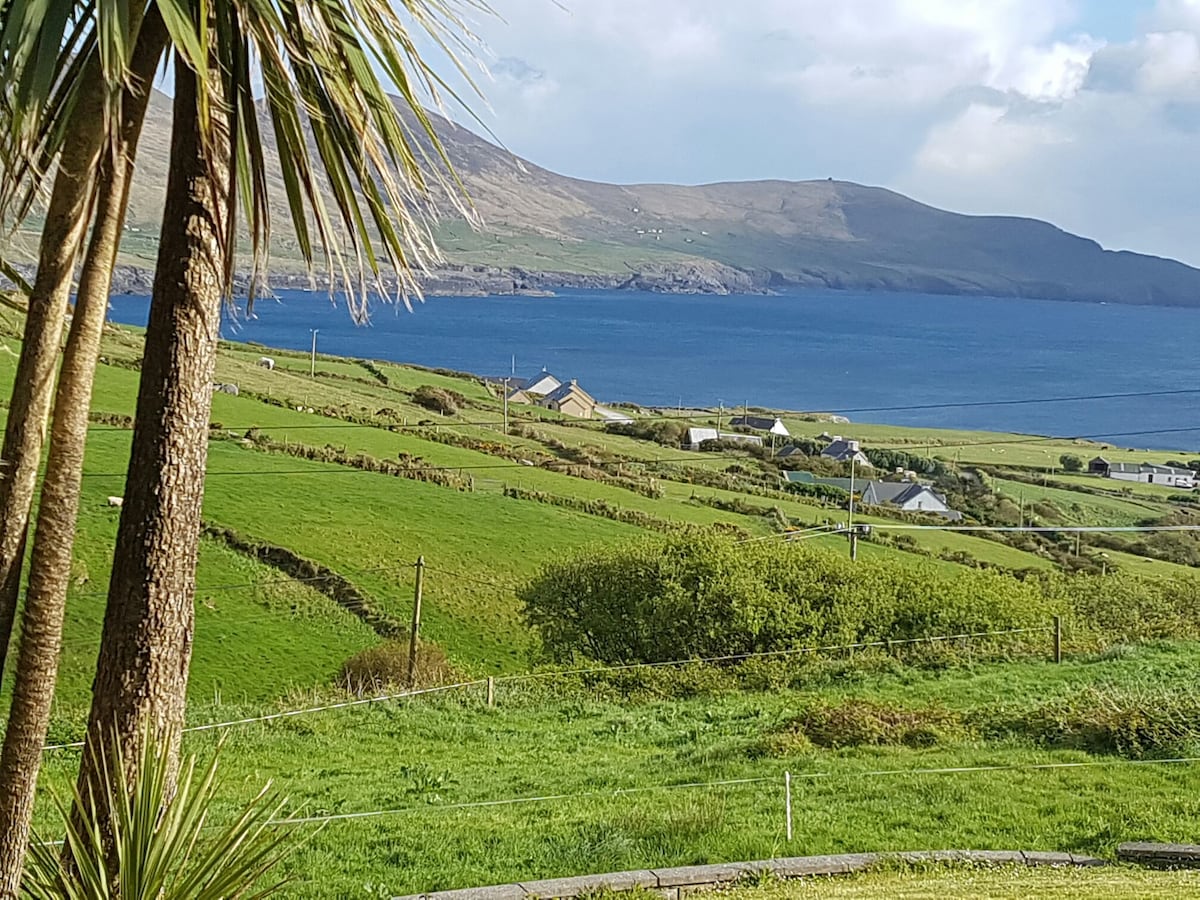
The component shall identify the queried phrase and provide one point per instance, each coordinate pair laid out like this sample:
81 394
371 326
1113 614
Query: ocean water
873 357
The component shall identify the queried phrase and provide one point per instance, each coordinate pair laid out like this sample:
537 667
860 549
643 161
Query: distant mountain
544 230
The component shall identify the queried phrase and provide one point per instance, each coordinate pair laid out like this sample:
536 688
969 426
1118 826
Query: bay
858 354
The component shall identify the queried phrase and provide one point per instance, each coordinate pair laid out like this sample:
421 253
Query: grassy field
266 643
1081 508
424 762
478 545
1005 883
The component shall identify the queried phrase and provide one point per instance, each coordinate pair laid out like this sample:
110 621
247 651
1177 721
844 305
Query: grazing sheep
226 388
116 501
266 362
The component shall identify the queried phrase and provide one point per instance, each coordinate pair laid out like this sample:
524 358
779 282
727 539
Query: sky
1085 113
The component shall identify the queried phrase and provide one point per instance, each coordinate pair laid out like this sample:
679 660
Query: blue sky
1082 112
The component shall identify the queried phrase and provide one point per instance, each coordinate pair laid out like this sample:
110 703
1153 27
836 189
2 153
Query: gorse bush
697 595
438 399
1129 721
385 666
857 723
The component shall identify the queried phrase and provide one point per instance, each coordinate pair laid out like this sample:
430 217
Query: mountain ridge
543 230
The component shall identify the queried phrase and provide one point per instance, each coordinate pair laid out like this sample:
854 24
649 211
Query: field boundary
677 882
319 577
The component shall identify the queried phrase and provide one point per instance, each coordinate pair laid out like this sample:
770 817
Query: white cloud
1003 106
984 141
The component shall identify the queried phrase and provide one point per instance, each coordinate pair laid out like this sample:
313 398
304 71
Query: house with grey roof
570 400
771 424
1146 473
909 496
843 451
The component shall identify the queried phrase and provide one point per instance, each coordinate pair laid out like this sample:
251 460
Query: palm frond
50 52
320 62
163 846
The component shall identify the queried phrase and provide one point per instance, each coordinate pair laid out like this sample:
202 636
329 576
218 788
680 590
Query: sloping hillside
543 230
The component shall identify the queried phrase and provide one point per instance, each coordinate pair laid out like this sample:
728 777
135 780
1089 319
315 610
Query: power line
913 407
518 801
290 713
1039 440
1027 401
1039 529
585 671
550 467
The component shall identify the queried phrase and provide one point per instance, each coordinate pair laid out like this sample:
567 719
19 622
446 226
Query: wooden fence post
787 800
1058 639
416 624
491 692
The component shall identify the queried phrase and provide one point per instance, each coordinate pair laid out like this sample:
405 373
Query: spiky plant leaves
165 844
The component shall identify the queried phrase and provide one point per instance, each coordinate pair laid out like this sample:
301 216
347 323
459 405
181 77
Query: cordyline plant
358 181
138 839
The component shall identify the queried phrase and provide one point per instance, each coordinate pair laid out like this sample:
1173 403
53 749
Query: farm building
1147 473
542 383
908 496
570 400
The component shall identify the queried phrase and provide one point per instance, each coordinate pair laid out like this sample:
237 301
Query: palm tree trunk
45 605
62 236
145 650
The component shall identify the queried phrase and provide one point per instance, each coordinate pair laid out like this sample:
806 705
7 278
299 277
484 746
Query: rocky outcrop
692 277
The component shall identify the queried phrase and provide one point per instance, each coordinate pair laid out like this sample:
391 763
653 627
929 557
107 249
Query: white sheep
266 362
116 501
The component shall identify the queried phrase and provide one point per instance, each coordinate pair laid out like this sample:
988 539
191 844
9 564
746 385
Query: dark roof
840 450
563 391
759 423
893 491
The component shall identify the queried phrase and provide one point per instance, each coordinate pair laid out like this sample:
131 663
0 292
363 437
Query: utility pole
720 413
416 624
312 366
506 405
850 524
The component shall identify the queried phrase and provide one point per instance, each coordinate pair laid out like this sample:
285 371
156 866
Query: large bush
695 595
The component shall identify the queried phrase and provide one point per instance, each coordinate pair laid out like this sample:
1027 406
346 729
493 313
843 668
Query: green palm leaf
164 846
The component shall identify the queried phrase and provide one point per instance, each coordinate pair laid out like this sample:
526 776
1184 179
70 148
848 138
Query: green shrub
699 596
1071 463
661 431
696 595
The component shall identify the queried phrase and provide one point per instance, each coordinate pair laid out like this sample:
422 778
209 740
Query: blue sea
874 357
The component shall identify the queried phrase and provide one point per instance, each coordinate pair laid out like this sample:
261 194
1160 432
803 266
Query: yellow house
570 400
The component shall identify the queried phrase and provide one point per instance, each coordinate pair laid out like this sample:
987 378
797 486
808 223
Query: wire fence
491 682
783 779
